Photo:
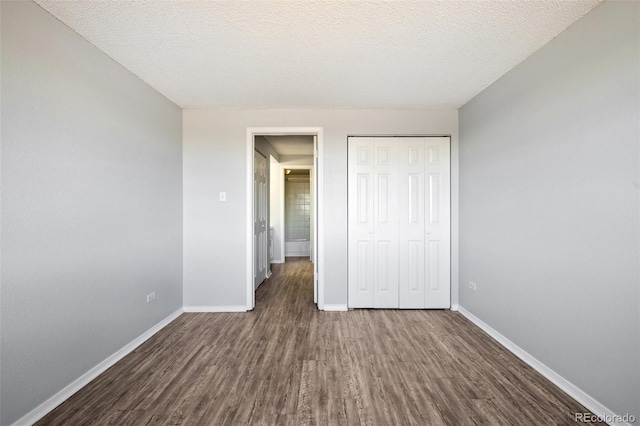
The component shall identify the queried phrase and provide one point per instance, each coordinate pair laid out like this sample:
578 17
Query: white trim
569 388
50 404
250 290
228 308
335 308
314 220
320 218
282 217
261 131
455 307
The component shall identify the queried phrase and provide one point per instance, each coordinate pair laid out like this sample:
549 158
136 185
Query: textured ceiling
319 54
291 145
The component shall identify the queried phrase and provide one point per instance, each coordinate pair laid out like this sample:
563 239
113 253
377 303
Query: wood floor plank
122 418
286 363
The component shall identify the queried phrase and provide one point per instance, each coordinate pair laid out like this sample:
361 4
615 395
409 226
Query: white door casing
318 216
314 221
399 222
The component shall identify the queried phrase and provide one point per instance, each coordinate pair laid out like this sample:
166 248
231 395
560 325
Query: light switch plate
223 196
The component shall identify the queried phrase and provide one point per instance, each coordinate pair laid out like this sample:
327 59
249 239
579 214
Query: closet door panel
438 226
386 215
361 223
411 228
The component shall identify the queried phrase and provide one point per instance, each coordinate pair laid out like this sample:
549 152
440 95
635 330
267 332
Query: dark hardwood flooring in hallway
288 363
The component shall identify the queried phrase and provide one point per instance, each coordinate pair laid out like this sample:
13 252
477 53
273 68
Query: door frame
252 132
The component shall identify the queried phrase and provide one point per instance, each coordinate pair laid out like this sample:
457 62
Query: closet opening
399 222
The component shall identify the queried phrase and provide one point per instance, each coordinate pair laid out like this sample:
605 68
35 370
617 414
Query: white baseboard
335 308
454 307
569 388
228 308
46 407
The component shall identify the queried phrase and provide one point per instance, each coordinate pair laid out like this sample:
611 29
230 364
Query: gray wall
549 225
91 207
215 157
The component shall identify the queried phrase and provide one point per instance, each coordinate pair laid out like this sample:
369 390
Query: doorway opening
279 227
298 211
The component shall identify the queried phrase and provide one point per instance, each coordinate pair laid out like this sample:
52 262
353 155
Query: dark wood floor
287 363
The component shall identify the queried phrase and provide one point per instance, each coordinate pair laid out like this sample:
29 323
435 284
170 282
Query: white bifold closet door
399 222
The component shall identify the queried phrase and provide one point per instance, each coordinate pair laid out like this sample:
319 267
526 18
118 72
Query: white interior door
399 222
260 218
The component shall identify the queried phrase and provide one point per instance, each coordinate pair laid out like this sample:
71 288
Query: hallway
288 363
